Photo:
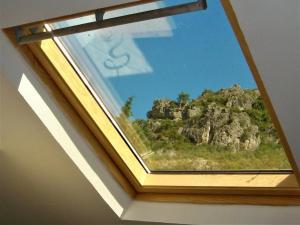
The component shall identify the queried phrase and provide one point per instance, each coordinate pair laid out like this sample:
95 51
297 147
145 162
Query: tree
206 91
127 107
259 104
183 98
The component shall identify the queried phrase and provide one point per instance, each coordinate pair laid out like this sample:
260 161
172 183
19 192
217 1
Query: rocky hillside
233 119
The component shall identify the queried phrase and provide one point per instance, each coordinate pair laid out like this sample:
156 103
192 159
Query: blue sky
188 52
203 53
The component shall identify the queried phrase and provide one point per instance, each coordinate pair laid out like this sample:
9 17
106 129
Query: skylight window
165 89
179 91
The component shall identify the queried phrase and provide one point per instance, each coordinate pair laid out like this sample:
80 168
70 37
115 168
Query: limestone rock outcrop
232 118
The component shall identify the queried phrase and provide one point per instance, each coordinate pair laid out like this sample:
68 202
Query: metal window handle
100 23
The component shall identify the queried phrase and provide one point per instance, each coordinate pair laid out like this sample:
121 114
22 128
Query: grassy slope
206 157
172 151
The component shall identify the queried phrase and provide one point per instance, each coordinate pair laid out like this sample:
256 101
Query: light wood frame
271 189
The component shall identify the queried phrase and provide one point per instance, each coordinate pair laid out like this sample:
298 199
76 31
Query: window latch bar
99 15
116 21
34 30
18 33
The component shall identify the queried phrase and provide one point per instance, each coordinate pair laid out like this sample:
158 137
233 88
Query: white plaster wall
1 97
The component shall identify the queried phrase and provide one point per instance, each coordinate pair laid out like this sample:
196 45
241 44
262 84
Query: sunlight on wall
41 109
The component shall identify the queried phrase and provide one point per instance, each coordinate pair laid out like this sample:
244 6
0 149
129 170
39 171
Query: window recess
176 101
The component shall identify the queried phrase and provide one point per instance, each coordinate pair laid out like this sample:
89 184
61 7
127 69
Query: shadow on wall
70 141
38 181
63 124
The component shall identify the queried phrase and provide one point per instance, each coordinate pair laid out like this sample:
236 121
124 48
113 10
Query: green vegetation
183 99
188 157
229 129
127 108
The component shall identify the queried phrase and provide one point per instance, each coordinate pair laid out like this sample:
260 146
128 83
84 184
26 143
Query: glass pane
180 91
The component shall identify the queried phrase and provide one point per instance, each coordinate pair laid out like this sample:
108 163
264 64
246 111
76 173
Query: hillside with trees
228 129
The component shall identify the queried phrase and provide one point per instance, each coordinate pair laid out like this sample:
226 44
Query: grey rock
221 127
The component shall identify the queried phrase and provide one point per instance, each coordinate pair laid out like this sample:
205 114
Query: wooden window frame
268 189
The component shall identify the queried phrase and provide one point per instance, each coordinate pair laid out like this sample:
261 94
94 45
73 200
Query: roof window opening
179 90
